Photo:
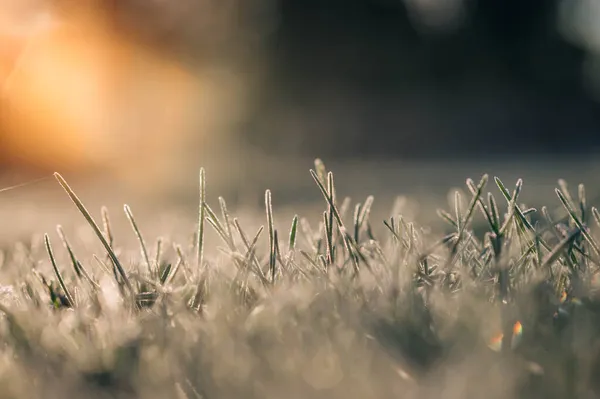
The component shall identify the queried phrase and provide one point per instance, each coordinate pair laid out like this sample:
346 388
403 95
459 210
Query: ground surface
342 317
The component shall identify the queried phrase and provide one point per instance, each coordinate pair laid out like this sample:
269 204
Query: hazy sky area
160 84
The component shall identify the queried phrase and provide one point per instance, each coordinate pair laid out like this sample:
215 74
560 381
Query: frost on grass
336 305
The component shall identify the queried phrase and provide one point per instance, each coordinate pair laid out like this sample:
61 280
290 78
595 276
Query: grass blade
293 232
582 202
364 216
140 238
328 238
568 206
558 250
321 170
329 225
61 281
201 218
356 219
328 199
271 229
96 229
67 246
107 226
159 242
226 223
77 266
494 214
445 216
596 215
247 245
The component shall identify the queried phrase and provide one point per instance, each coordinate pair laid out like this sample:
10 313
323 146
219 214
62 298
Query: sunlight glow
73 94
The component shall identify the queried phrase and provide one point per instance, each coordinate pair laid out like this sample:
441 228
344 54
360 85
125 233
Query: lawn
499 300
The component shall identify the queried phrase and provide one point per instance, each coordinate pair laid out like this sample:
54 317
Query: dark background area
364 78
336 79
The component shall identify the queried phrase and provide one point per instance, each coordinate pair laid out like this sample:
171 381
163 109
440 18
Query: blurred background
399 95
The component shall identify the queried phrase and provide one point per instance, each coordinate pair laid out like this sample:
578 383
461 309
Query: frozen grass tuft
345 307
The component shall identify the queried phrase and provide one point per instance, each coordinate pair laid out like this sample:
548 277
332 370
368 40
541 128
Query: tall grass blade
568 206
107 227
61 281
226 222
257 267
77 266
67 246
140 239
364 216
271 229
96 229
328 238
560 248
329 225
321 170
494 214
328 199
201 218
482 206
356 219
200 239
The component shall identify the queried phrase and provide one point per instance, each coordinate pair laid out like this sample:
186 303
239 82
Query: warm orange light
73 94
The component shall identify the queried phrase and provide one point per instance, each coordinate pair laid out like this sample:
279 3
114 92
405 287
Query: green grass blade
165 274
445 216
293 233
391 228
494 214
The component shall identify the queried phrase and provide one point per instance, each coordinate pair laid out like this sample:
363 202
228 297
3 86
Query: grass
345 307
